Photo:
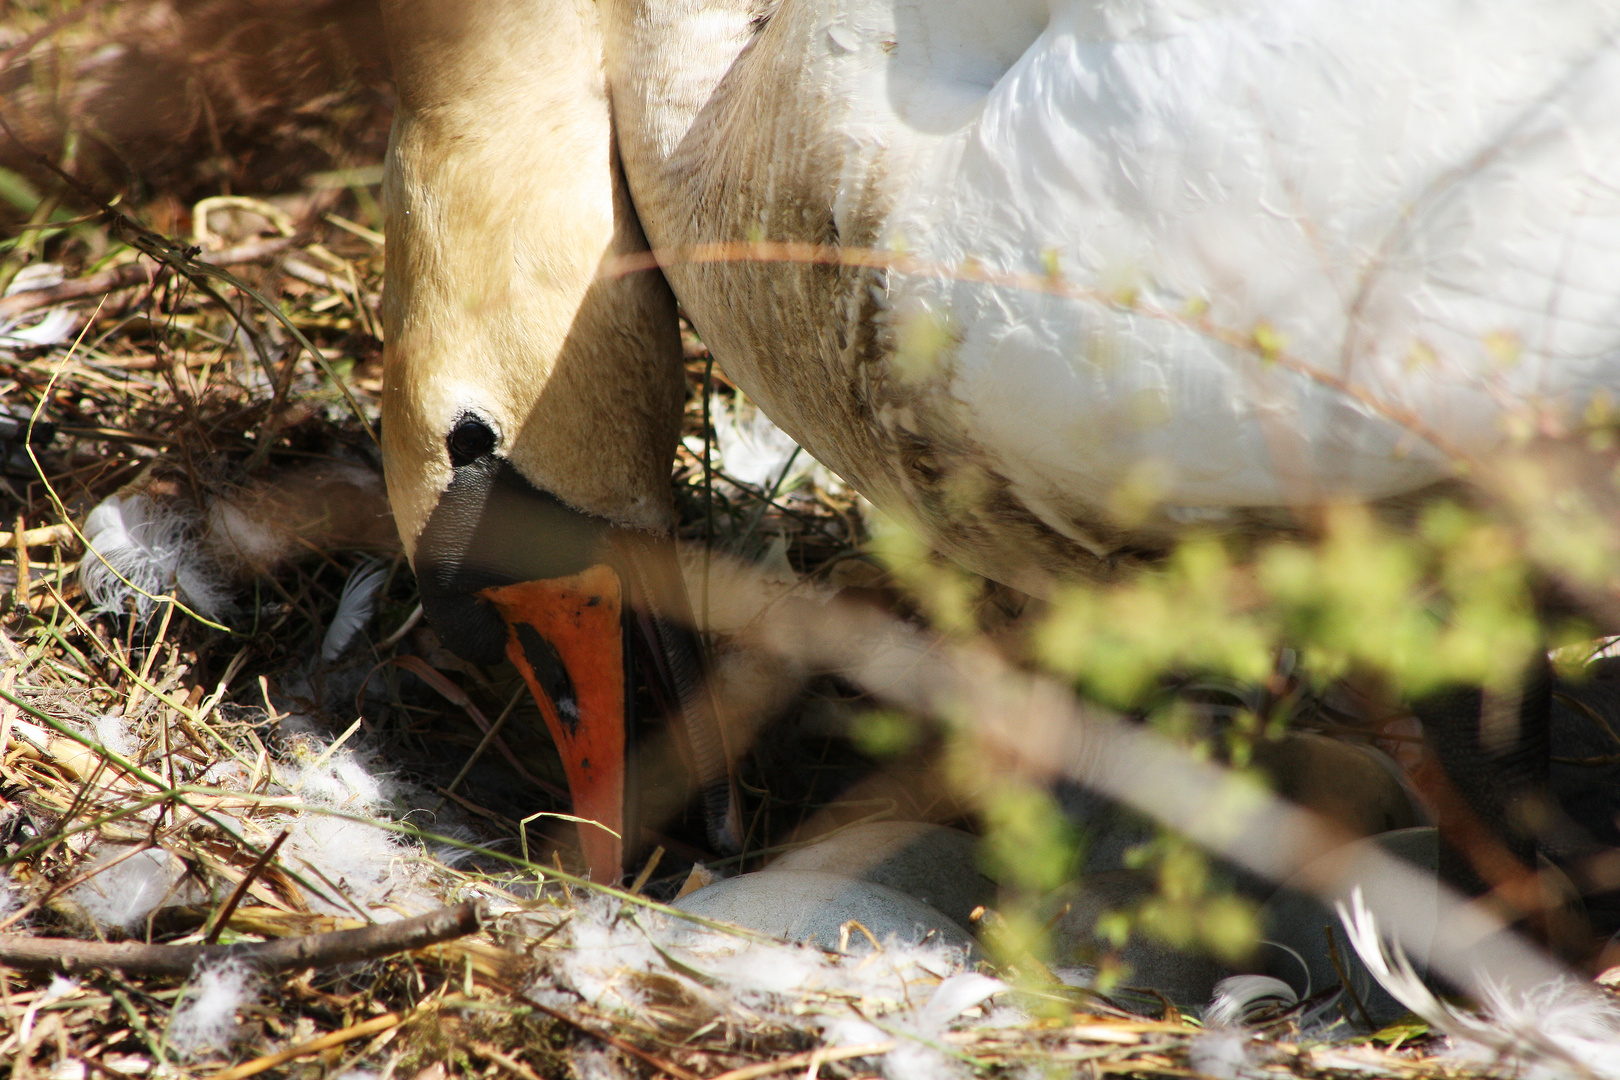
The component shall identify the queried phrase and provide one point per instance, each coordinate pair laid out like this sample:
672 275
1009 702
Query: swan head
532 391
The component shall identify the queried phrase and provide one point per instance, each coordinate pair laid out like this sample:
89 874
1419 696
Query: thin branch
130 275
242 887
288 954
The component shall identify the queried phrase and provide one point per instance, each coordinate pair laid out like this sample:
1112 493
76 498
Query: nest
174 784
229 840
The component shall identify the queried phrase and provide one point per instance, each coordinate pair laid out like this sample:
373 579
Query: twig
490 736
404 628
242 886
510 1064
132 274
457 696
312 950
1033 726
203 275
647 870
110 434
769 500
1344 977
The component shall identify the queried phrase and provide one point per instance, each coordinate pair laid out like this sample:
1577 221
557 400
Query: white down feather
141 551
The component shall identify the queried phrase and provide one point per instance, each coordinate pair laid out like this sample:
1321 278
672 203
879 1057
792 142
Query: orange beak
566 636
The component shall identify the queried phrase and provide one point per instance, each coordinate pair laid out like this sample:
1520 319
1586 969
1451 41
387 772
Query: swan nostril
469 440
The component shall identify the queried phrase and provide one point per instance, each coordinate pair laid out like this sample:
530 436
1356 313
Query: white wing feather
1415 199
1562 1029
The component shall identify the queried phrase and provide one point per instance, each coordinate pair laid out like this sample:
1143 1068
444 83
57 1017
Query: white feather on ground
205 1017
60 987
1238 997
56 324
339 842
919 1052
355 608
122 892
36 277
141 550
611 956
112 731
342 779
749 446
367 863
56 327
1564 1029
593 1063
1225 1053
11 897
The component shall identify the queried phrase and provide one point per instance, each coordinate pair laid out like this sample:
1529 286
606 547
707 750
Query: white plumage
1224 1053
125 886
1229 254
750 448
1417 199
1238 997
1052 280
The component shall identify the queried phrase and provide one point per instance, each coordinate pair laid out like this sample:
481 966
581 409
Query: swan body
1049 279
1228 259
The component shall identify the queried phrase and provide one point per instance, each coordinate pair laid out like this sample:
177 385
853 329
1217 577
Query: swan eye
469 440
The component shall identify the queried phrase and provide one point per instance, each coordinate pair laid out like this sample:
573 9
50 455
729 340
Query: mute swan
1234 258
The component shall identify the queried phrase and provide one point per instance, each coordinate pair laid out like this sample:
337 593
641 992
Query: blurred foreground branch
1024 725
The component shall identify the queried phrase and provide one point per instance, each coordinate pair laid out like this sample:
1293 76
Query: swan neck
512 293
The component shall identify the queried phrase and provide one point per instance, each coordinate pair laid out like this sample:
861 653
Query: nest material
180 763
171 783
